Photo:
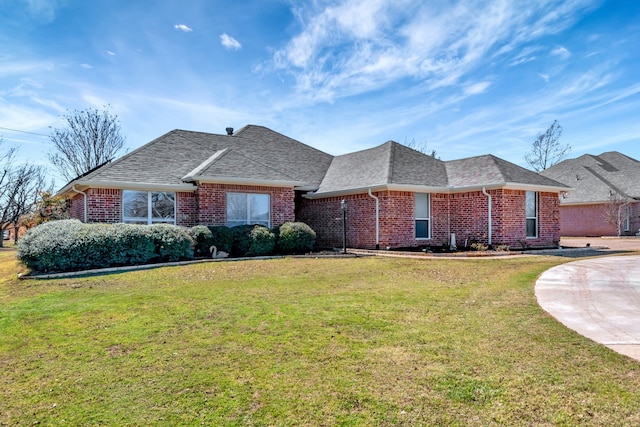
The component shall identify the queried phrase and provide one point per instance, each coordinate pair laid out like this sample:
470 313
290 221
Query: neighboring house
605 195
395 196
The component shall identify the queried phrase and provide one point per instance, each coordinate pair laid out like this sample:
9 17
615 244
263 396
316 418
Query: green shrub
171 243
263 241
222 237
252 240
70 245
295 238
44 248
203 238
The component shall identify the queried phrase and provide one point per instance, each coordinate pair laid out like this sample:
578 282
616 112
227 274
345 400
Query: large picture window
247 208
532 214
422 216
148 207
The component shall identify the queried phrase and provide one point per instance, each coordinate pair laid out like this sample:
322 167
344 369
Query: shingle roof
258 155
488 170
595 178
180 156
392 164
389 163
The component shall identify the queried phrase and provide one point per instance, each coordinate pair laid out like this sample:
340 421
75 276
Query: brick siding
212 202
465 214
591 220
206 206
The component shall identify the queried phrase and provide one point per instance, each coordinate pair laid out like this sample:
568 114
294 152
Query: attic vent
229 131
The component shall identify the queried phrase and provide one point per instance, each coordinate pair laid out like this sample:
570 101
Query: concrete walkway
599 298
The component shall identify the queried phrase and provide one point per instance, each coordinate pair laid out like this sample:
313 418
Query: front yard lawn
353 341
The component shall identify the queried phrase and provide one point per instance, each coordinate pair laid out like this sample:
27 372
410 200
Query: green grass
352 342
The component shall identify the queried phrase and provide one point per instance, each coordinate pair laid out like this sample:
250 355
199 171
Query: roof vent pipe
229 131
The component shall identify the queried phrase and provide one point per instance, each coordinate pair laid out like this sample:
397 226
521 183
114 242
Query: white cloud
86 66
347 47
477 88
111 53
229 42
182 27
561 52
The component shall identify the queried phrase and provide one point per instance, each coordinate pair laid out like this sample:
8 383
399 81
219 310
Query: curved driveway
598 298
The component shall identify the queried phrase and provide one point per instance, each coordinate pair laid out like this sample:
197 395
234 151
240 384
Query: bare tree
616 211
19 187
547 150
421 147
90 139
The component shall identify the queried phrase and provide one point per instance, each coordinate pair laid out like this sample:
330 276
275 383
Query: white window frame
422 218
531 218
149 219
248 219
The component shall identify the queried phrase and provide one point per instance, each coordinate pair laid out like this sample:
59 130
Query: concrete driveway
599 298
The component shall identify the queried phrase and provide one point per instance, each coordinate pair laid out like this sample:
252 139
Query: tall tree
19 187
90 138
547 150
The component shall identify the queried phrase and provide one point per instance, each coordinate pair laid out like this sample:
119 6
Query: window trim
149 219
416 218
248 210
535 218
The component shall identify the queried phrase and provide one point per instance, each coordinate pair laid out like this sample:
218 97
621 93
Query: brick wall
211 202
186 209
590 220
465 214
76 207
104 205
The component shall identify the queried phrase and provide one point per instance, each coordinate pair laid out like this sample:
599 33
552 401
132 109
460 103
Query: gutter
84 211
484 191
377 218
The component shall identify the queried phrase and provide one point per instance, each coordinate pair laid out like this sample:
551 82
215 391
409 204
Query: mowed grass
303 342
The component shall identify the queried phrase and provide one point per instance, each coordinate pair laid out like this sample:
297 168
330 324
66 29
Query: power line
23 131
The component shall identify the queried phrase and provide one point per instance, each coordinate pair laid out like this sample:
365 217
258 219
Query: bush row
69 245
254 240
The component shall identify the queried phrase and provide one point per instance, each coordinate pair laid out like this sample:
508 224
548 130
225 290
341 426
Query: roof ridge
211 160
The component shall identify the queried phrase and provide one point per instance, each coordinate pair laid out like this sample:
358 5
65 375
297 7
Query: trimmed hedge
252 240
69 245
295 238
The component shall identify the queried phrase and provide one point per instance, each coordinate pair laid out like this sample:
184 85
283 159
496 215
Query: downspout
484 191
377 218
85 202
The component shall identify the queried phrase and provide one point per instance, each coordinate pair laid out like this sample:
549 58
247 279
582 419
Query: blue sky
464 77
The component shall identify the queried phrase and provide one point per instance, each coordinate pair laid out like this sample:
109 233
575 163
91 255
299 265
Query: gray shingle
595 178
488 170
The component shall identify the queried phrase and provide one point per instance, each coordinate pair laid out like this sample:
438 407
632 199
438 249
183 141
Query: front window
422 216
247 208
148 207
532 214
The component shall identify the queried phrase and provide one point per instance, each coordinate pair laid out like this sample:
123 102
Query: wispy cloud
348 47
86 66
229 42
561 52
111 53
182 27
